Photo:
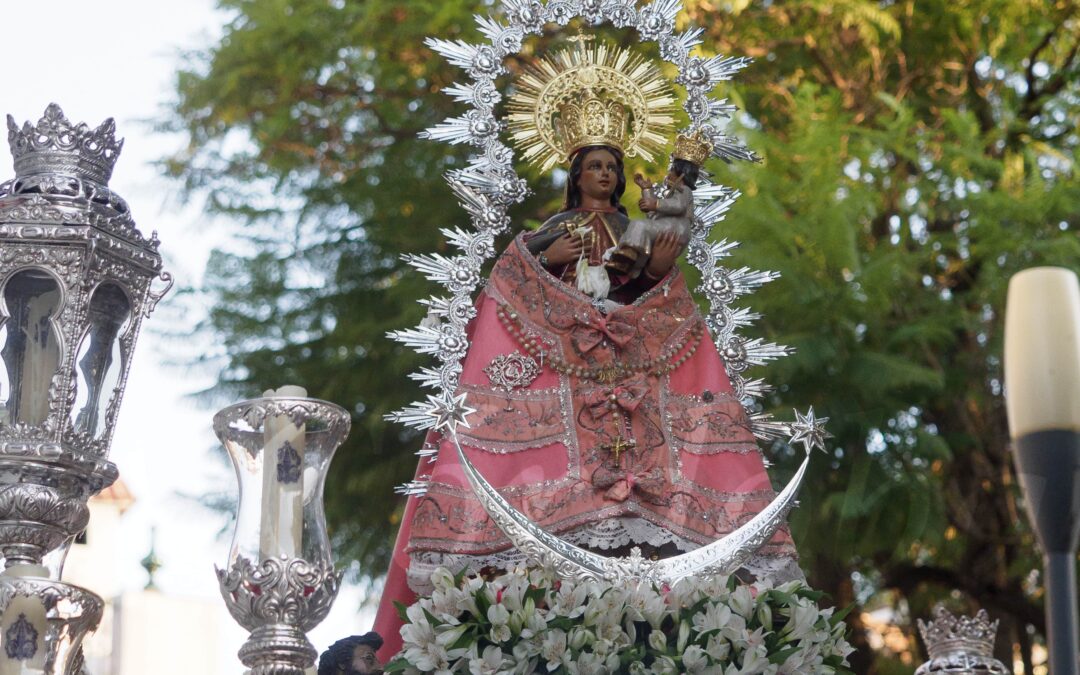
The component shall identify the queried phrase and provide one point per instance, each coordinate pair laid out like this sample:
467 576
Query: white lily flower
801 625
756 662
657 640
491 663
718 648
500 634
742 602
735 631
553 648
443 580
694 659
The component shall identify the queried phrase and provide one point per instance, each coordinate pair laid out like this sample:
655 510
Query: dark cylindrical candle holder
1049 466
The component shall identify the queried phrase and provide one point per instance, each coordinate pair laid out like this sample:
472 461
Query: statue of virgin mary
603 411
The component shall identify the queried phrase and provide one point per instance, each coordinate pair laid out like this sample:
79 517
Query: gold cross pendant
617 447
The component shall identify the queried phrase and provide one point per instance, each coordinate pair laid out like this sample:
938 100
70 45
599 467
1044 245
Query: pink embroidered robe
693 474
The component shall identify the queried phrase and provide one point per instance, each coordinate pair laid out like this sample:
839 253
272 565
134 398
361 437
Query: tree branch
908 577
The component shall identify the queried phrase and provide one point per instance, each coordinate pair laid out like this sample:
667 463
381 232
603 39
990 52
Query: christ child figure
669 206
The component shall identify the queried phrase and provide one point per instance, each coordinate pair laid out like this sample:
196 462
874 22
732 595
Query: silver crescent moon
721 557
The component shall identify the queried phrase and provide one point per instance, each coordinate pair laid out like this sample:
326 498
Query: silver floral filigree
239 419
279 601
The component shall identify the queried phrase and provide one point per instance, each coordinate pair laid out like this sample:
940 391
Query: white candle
40 358
23 627
281 530
1042 351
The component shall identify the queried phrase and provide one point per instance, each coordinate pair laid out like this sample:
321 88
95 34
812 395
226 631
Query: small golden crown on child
695 147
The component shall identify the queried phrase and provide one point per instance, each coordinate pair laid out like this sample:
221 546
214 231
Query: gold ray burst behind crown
695 147
590 95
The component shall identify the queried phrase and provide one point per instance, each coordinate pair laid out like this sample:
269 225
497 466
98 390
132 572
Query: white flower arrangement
526 621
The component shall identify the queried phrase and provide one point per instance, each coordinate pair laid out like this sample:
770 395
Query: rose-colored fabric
694 470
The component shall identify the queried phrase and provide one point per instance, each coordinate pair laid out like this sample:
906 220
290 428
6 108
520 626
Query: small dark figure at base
354 655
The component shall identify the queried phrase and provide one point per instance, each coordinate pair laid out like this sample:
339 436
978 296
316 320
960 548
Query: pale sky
116 58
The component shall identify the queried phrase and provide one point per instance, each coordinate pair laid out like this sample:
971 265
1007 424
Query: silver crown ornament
960 645
55 145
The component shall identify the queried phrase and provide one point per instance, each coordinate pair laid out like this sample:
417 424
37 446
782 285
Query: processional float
489 185
280 579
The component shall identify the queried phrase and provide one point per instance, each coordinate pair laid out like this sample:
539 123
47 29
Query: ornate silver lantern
75 284
960 645
43 624
280 580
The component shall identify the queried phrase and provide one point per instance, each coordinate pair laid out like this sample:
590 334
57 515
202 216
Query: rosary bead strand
656 367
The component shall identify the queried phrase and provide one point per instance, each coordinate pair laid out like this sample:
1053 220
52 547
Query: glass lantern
76 278
281 446
280 580
43 623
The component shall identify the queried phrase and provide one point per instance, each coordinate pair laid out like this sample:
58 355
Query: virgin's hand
665 251
564 250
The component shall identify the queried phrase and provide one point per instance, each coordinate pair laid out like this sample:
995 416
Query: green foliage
915 156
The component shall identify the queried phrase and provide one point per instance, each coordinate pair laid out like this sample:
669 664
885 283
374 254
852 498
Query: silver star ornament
449 412
809 430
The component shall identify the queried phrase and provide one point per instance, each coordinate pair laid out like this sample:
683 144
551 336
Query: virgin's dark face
599 175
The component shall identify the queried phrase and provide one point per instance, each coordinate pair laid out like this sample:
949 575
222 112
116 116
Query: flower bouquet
526 621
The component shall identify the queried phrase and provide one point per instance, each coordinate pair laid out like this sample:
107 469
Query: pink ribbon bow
619 484
588 334
603 401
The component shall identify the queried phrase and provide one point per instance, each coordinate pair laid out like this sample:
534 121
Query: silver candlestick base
279 601
43 623
43 503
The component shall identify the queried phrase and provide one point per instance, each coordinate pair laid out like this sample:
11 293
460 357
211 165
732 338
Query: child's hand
640 181
665 251
647 205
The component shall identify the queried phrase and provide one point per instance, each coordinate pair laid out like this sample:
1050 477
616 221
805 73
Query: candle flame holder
280 580
43 623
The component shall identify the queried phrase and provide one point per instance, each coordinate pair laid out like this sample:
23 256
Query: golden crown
590 95
592 122
695 147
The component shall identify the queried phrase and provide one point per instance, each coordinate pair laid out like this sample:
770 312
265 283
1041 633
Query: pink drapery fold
693 468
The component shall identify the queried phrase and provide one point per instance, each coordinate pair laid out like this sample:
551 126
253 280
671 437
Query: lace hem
606 535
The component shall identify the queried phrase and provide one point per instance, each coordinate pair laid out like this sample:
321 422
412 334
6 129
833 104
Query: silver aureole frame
489 184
